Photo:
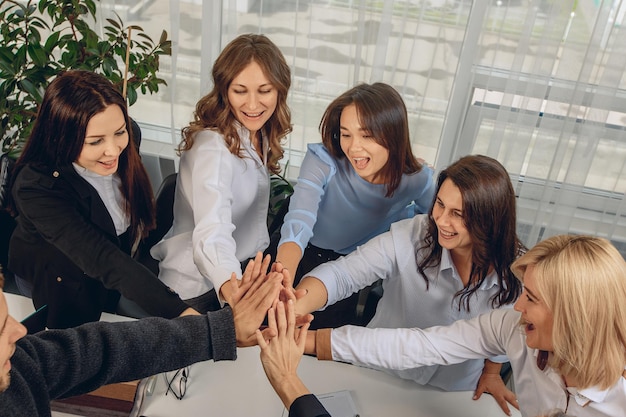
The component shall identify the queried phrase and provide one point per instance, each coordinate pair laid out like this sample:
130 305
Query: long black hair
58 136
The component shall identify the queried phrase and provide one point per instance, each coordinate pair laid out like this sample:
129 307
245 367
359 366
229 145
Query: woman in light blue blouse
352 186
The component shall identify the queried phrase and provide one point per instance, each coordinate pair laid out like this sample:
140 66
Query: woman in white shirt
227 155
436 268
566 339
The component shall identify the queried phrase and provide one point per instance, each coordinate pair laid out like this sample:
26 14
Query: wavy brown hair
383 114
213 110
58 136
489 214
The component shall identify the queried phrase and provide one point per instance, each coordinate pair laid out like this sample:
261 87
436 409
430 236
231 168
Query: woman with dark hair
353 185
450 264
84 203
227 154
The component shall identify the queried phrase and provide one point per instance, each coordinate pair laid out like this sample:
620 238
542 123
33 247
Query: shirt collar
490 281
583 396
587 395
84 172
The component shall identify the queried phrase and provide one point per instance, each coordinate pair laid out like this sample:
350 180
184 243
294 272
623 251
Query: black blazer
65 244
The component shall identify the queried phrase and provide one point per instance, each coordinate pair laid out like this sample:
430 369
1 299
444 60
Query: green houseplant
40 39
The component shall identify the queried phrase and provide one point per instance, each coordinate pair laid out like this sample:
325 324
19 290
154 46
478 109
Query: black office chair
164 202
164 208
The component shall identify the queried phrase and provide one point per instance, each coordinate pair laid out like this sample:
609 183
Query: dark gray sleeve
79 360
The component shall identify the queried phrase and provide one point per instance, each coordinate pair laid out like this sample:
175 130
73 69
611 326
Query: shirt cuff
322 345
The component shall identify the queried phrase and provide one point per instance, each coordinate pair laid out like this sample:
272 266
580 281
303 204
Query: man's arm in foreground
79 360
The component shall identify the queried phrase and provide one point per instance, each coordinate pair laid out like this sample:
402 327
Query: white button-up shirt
406 301
220 215
495 333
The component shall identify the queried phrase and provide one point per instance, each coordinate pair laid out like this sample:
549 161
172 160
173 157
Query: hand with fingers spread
250 302
281 355
234 289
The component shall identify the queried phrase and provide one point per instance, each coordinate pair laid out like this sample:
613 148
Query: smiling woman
436 268
84 204
105 140
223 185
353 185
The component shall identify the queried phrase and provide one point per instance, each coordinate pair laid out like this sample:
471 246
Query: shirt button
59 279
55 174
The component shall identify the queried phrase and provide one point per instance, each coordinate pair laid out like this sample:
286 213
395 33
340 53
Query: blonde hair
582 280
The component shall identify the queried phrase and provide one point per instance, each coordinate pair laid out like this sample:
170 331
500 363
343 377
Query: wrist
289 388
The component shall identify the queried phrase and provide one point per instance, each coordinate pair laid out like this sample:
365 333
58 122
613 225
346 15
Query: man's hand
490 382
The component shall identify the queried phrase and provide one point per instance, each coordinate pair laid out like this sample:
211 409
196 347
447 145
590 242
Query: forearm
289 255
315 298
103 353
289 388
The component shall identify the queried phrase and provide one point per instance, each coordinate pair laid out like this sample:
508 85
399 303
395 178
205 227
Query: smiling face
252 98
448 216
10 332
536 317
105 140
364 153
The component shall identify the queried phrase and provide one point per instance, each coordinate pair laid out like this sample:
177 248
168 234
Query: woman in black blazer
84 203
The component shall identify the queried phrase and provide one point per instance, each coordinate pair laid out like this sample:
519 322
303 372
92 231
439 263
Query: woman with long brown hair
84 203
227 154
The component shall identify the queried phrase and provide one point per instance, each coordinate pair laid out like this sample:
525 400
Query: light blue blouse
332 207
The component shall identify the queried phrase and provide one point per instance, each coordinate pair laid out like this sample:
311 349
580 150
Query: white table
240 388
20 307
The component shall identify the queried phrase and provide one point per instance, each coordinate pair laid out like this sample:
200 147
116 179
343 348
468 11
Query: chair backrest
6 170
164 208
36 322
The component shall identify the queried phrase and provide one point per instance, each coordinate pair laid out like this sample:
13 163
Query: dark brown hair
58 136
213 110
489 214
382 113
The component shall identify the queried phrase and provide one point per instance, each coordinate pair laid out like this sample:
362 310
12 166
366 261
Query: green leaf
163 37
131 95
37 54
30 88
115 24
91 5
51 42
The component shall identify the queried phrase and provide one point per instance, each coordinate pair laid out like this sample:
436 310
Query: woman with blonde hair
227 154
566 339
